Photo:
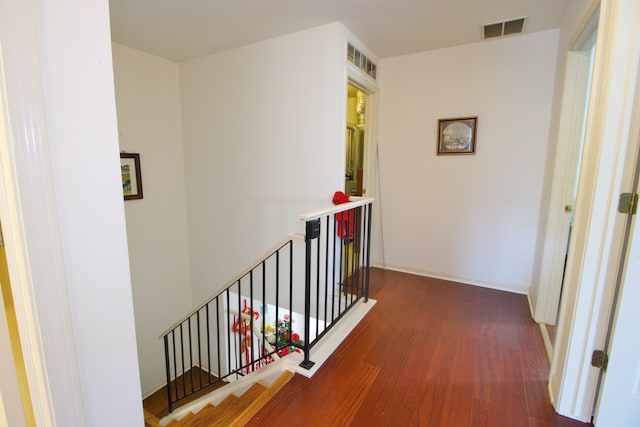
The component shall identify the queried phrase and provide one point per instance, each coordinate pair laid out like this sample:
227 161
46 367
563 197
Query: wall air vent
358 59
500 29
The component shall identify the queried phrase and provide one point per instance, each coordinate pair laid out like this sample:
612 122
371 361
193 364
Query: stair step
226 419
234 410
186 420
257 404
150 420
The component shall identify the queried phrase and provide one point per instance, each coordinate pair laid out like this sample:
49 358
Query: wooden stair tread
262 400
228 416
234 410
184 421
150 420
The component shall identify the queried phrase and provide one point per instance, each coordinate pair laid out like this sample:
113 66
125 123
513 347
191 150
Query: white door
619 400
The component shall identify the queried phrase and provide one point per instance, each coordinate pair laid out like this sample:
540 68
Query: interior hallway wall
149 122
470 218
264 142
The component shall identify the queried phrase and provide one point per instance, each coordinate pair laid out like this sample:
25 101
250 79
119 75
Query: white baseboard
548 346
507 287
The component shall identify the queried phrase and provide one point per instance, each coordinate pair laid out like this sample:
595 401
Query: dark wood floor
430 353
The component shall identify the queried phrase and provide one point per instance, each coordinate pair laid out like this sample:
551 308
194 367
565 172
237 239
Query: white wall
471 218
264 142
149 123
79 99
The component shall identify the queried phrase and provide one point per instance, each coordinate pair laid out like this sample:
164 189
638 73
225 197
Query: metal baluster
251 319
190 356
262 338
184 389
168 370
240 324
199 350
306 363
317 286
175 365
368 260
333 274
326 272
228 333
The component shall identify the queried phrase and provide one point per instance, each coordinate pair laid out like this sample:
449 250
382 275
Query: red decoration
344 220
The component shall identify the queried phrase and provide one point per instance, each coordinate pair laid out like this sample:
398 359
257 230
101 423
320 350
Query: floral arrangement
282 337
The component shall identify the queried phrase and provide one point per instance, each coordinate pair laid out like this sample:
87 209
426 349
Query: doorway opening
355 137
354 177
570 140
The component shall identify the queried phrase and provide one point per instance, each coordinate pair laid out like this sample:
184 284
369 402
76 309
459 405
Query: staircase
283 304
234 410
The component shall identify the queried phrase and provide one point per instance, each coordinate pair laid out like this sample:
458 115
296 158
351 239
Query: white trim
29 217
354 202
564 178
506 287
594 259
546 339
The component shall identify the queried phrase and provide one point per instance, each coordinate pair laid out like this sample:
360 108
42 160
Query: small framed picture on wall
131 178
457 136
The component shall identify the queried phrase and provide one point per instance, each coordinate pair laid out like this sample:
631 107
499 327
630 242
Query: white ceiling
185 29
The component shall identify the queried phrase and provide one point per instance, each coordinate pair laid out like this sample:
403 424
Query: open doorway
571 133
355 137
353 176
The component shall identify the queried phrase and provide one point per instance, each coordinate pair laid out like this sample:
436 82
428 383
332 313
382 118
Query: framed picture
457 136
131 178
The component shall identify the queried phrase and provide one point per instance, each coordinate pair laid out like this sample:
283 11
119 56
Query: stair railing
256 318
337 260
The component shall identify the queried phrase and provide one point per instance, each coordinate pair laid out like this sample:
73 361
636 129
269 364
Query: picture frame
131 177
457 136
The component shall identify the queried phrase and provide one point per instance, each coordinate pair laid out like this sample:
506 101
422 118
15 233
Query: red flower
284 351
295 337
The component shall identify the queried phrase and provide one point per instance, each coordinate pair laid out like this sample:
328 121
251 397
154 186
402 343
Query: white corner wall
470 218
77 79
149 123
264 142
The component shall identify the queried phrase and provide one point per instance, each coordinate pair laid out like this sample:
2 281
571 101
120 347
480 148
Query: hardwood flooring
430 353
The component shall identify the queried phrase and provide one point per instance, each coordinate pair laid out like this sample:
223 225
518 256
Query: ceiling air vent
500 29
359 59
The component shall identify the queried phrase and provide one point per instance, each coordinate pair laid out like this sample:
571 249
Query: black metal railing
268 310
337 256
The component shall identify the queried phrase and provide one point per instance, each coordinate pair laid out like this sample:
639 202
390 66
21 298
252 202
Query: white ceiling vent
361 61
500 29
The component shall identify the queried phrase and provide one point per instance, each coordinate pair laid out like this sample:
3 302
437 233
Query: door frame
569 142
29 216
594 257
356 78
614 405
545 302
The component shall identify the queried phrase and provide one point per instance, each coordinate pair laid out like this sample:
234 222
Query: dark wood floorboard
429 353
